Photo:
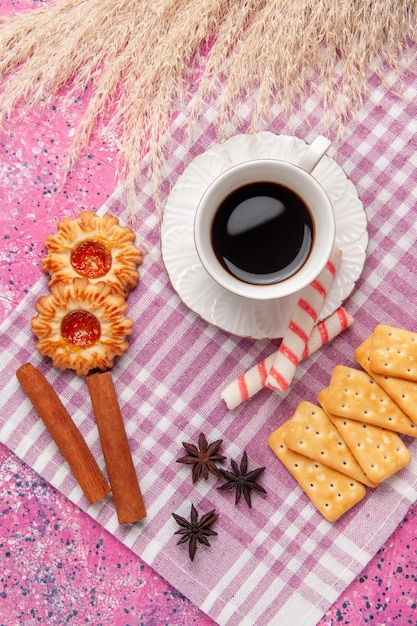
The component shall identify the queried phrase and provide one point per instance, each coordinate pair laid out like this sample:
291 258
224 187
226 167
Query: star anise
203 458
242 480
195 531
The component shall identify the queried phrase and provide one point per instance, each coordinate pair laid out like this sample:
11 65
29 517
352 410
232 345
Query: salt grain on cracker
312 433
332 492
354 394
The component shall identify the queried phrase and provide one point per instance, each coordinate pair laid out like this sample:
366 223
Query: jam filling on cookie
91 259
80 328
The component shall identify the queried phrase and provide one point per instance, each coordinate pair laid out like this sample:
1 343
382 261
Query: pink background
56 564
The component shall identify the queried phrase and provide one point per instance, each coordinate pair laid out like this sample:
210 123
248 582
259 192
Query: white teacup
265 228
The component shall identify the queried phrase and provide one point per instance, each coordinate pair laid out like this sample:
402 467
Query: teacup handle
315 151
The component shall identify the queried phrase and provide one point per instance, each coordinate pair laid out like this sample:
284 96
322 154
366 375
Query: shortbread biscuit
354 394
332 492
379 452
82 326
403 392
394 352
94 247
312 433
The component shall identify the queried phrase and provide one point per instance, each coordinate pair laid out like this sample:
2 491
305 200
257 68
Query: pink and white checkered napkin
280 562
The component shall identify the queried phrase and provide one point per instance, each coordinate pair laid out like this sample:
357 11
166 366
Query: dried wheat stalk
138 57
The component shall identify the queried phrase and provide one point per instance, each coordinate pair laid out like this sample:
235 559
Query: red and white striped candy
252 381
304 318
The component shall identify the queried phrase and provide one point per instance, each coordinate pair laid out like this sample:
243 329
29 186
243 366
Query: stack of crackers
352 440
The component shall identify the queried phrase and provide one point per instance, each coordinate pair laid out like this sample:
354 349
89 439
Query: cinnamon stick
64 432
123 480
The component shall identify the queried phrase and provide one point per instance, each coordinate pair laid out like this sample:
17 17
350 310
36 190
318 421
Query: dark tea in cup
262 233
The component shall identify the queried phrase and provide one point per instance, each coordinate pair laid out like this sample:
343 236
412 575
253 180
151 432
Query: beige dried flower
138 58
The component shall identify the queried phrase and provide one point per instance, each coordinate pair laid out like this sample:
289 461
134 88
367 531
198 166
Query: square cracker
353 393
394 352
332 492
403 392
379 452
311 432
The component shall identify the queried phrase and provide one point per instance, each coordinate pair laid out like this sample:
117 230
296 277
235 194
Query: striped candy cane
252 381
303 320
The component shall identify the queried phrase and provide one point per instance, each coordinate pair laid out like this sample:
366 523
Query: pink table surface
56 564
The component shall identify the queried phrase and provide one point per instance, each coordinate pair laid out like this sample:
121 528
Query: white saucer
239 316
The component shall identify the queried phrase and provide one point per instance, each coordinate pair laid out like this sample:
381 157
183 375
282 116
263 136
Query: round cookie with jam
94 247
82 326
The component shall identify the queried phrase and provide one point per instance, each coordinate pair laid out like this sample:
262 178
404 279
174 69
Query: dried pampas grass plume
140 58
